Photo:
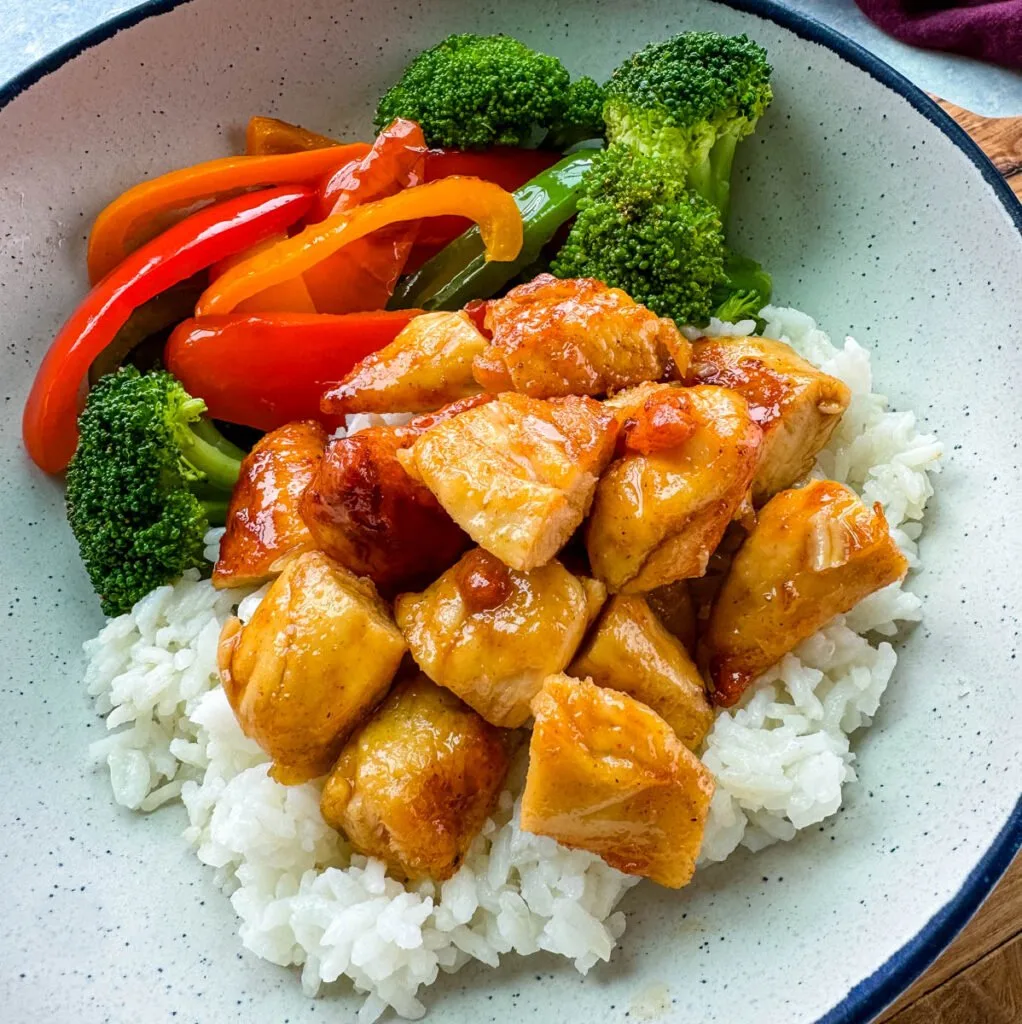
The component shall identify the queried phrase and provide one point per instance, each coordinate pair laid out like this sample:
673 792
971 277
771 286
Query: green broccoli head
472 92
583 116
146 478
690 100
638 228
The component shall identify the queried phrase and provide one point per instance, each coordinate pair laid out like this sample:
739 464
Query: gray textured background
30 30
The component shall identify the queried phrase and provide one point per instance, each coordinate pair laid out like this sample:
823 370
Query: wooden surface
978 980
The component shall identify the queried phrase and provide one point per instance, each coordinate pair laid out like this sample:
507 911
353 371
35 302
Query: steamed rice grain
304 898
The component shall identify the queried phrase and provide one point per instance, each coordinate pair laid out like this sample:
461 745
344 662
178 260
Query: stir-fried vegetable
140 213
266 370
48 424
463 271
148 478
493 209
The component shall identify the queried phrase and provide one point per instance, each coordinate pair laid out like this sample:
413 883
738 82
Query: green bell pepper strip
460 272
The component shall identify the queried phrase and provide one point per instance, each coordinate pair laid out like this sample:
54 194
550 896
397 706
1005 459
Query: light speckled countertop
31 31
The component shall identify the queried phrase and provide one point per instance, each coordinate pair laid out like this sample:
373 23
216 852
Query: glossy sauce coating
796 405
608 775
495 653
263 525
815 553
415 784
317 655
555 337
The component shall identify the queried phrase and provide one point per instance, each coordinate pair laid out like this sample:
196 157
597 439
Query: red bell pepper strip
505 166
362 275
49 424
265 370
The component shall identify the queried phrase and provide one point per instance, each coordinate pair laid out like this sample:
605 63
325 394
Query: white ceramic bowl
873 211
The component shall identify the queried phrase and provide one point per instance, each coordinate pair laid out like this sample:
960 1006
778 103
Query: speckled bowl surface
873 213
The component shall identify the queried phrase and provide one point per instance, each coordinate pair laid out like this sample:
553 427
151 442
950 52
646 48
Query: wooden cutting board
978 980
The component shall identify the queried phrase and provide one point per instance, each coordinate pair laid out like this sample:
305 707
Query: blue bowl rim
872 995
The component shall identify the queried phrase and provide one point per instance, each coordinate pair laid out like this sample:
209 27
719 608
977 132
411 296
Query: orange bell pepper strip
141 212
287 297
362 275
268 136
493 209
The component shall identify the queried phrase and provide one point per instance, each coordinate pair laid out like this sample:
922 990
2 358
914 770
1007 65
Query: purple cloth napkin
986 29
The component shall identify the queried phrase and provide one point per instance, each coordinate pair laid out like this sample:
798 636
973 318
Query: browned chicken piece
263 524
631 651
815 553
796 405
576 337
688 457
675 607
517 474
608 775
493 634
416 783
364 510
315 658
426 366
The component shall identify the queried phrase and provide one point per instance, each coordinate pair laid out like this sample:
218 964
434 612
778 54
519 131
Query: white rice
301 895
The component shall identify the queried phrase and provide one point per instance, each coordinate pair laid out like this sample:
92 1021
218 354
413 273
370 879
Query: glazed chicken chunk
608 775
493 634
365 511
429 364
263 525
416 783
814 553
315 658
675 607
575 337
631 651
517 474
687 459
796 405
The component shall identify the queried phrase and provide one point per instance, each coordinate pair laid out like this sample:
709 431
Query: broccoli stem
218 466
711 177
215 510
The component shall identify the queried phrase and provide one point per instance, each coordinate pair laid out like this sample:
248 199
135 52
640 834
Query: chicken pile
590 526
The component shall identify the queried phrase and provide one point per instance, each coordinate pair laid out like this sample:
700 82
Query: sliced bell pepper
494 211
48 424
462 271
143 211
290 296
362 275
266 370
268 136
505 166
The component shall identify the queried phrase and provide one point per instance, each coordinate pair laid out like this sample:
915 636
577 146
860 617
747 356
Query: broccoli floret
472 92
583 117
149 476
689 101
638 228
746 290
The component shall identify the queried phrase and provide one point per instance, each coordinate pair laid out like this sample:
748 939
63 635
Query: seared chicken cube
576 337
263 524
517 474
675 607
427 365
629 650
416 783
312 662
363 509
493 634
796 405
689 455
815 553
608 775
